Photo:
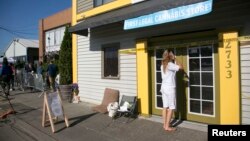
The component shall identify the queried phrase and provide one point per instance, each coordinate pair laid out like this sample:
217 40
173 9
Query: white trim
155 93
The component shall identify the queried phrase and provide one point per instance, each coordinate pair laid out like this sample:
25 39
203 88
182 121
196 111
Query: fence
24 80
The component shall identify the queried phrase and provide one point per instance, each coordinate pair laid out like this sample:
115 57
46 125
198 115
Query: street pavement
85 124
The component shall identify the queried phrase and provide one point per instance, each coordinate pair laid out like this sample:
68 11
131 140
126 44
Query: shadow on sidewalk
79 119
76 120
19 108
176 122
19 92
4 99
24 111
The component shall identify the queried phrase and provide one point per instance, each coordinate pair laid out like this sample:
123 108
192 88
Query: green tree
65 59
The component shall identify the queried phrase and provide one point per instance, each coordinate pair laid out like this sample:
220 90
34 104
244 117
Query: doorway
195 86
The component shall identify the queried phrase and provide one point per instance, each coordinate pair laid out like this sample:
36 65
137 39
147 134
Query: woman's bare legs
164 116
169 114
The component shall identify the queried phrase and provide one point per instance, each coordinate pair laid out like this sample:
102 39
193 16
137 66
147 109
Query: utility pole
15 40
49 48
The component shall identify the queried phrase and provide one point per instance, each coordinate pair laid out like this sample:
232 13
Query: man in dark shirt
52 71
5 76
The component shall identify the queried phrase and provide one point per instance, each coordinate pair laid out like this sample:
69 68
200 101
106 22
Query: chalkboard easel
49 104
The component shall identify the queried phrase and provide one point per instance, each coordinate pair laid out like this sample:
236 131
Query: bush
65 59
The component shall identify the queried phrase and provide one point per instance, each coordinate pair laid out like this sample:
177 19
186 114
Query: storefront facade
208 91
51 32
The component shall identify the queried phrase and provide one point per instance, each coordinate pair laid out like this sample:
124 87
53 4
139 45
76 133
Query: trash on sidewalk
112 108
5 114
125 106
75 89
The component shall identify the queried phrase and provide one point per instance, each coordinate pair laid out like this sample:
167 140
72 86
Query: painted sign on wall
165 16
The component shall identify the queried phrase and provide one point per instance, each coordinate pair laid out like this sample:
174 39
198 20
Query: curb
31 131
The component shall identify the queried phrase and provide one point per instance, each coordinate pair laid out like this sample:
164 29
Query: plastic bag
112 108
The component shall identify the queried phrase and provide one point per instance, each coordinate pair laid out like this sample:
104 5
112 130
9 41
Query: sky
20 18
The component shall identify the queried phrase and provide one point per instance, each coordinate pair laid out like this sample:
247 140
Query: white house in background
23 49
1 54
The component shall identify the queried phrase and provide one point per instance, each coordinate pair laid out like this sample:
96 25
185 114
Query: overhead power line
17 32
33 26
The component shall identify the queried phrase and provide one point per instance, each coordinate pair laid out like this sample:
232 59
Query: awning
128 12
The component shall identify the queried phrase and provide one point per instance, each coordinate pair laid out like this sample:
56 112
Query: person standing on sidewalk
168 87
12 79
5 76
19 67
30 70
52 71
39 69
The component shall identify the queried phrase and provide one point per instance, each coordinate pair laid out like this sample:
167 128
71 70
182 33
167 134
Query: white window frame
214 98
53 38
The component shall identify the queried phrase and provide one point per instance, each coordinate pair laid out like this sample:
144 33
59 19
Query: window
201 76
53 39
58 36
62 34
101 2
59 33
47 39
110 61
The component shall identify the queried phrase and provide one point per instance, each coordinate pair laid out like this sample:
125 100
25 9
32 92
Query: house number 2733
228 64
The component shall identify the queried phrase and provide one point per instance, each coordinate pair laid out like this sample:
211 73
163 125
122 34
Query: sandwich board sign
52 106
54 103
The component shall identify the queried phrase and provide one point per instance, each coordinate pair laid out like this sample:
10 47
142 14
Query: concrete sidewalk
84 124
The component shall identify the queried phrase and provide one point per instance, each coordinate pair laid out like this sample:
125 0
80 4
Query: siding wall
245 83
84 5
91 84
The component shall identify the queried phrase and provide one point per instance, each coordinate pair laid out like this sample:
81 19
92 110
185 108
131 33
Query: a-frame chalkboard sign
52 106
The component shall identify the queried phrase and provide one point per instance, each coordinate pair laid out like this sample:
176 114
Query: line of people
11 74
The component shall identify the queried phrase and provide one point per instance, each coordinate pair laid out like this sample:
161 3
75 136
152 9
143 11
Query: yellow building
119 44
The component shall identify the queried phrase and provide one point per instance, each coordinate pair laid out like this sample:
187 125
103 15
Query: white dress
168 85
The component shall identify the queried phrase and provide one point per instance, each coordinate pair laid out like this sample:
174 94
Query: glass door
201 93
156 83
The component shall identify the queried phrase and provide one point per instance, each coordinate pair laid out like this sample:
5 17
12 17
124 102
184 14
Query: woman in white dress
169 67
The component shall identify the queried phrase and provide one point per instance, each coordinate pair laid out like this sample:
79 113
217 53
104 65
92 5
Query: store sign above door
165 16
